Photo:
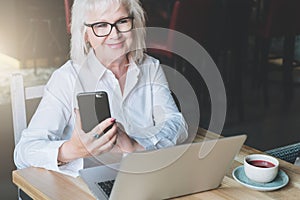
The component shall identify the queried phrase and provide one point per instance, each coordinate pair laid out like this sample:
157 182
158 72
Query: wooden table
43 184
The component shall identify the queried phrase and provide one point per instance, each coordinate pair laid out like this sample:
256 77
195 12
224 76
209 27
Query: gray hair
80 8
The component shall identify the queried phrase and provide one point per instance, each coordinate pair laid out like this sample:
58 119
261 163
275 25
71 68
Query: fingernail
112 119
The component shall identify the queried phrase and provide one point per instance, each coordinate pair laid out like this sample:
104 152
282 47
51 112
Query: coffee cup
261 168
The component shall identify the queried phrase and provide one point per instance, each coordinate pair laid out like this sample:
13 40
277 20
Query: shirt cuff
49 160
147 143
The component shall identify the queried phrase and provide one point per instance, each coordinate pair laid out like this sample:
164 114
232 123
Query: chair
232 54
19 95
196 19
159 47
288 153
280 19
183 16
176 100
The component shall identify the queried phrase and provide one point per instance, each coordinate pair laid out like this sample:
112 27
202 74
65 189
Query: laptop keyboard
106 186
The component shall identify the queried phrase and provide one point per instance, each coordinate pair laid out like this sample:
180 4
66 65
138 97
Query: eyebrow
105 21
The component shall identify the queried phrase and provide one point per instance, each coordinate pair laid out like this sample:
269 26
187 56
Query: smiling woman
107 54
110 33
108 12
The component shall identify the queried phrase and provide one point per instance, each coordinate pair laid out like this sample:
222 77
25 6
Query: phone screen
93 108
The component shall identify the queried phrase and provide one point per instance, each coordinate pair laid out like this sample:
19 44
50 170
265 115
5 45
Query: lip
116 45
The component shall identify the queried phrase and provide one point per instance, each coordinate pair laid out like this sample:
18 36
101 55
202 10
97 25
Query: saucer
280 181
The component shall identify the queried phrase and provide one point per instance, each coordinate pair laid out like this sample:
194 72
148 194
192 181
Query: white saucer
280 181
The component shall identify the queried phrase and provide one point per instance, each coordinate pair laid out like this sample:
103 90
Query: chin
117 53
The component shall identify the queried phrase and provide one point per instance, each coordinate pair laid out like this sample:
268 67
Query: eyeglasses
102 29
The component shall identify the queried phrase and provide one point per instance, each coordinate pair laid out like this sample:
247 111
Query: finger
103 144
102 126
99 141
108 135
116 149
108 145
77 119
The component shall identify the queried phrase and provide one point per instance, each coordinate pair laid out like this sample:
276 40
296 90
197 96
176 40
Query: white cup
261 168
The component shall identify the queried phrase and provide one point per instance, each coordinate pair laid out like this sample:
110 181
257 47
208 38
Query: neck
119 67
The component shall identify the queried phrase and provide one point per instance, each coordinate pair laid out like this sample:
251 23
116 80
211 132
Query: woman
106 54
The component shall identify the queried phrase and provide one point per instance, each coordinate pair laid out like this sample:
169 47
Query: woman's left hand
125 144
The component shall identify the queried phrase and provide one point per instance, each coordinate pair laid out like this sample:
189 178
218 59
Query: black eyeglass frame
111 26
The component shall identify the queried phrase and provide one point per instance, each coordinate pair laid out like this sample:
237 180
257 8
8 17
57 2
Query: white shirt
146 110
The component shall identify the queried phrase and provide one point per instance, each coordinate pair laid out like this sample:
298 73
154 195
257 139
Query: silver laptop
165 173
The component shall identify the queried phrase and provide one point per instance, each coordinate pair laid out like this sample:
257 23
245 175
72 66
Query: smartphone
93 108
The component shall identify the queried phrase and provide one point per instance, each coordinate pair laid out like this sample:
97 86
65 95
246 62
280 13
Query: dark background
25 34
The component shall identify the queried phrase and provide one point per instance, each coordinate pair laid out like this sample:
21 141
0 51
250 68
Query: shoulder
152 69
61 84
64 76
149 60
150 64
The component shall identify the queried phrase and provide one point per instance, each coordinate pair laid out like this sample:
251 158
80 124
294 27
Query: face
115 45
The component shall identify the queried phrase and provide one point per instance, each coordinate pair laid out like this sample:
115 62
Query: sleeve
49 128
169 126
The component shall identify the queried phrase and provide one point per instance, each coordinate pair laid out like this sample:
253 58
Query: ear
86 38
87 45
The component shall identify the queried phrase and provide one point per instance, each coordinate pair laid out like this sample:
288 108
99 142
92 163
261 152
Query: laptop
165 173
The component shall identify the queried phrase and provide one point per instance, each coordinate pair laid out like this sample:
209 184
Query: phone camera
99 95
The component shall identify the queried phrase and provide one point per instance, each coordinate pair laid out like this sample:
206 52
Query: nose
114 33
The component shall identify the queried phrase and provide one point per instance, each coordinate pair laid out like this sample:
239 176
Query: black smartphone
93 108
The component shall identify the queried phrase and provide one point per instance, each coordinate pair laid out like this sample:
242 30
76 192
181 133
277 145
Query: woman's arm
50 126
169 127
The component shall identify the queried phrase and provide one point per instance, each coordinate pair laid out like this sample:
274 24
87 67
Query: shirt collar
132 64
98 69
94 65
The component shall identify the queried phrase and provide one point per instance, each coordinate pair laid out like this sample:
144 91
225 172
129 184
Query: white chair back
19 95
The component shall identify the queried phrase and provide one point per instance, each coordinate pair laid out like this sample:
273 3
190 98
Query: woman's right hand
84 144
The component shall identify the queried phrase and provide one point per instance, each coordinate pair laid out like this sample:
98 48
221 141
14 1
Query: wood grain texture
43 184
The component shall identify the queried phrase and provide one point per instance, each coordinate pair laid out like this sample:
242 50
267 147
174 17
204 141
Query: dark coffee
261 163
